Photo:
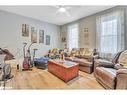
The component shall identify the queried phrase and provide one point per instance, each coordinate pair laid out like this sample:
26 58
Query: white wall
89 23
11 33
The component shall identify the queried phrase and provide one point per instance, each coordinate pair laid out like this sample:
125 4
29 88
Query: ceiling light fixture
62 9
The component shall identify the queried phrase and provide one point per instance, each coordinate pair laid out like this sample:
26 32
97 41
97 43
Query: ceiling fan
62 10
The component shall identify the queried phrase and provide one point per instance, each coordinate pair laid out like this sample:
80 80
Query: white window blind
109 36
72 36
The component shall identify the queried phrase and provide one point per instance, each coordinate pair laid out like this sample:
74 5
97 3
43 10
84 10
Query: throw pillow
118 66
123 59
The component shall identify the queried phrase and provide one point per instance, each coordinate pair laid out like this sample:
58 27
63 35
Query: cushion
123 59
88 52
81 51
43 59
55 50
74 53
85 52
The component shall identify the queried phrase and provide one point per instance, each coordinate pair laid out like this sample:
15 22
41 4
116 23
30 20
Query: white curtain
110 33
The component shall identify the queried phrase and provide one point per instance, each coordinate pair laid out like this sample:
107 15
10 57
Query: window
110 33
73 36
109 36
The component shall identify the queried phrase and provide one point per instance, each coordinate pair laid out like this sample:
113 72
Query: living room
63 47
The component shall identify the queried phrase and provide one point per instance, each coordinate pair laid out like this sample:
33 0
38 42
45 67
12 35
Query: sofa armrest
103 63
92 58
119 66
121 79
122 71
95 56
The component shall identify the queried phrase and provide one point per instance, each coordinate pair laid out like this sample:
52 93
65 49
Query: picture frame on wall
33 35
41 36
86 36
47 39
25 30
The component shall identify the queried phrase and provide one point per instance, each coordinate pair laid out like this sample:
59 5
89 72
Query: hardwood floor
42 79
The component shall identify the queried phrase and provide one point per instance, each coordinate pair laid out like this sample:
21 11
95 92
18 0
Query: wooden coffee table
65 70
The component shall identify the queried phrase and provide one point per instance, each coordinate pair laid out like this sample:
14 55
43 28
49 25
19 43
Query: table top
65 63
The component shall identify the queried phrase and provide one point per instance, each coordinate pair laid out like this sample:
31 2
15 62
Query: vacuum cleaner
27 63
26 59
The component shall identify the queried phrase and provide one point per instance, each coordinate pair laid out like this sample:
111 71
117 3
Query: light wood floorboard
42 79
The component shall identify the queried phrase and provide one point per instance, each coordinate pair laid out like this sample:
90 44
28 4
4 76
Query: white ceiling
47 13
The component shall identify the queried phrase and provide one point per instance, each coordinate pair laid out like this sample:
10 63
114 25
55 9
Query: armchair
112 75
